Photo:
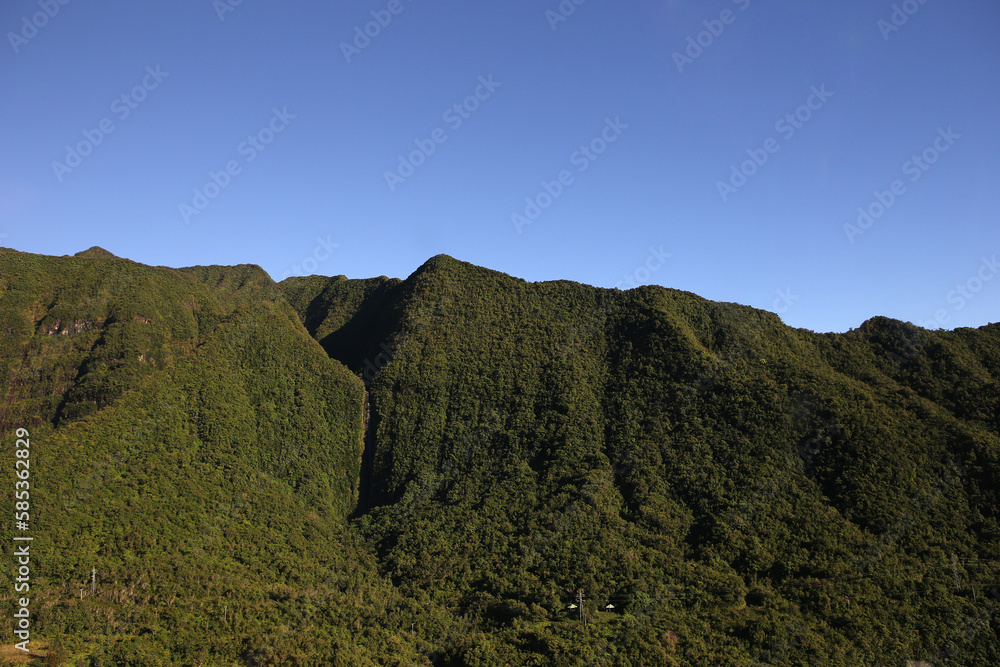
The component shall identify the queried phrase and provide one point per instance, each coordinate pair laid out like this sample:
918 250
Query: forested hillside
194 446
433 470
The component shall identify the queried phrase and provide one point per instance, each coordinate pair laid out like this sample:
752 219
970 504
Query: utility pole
954 569
93 581
583 614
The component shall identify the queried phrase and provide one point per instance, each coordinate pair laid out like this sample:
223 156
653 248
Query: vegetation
430 471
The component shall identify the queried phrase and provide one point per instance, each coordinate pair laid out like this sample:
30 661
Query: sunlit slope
700 463
194 446
432 470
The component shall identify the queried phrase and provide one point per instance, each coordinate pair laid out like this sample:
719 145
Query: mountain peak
439 260
96 252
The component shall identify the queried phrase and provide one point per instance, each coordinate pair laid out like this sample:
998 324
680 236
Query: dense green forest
433 471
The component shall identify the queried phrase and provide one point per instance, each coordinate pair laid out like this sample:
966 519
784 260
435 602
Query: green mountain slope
738 491
759 492
198 449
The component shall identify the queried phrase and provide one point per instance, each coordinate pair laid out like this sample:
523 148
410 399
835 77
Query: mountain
433 470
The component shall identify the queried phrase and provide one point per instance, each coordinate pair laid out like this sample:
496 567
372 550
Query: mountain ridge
464 451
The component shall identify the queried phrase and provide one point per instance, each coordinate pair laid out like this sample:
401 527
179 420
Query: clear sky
719 147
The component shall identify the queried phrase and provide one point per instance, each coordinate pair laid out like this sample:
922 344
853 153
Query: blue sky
597 145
